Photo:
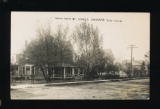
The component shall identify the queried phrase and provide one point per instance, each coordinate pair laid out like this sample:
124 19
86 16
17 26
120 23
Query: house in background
136 66
15 58
14 64
19 70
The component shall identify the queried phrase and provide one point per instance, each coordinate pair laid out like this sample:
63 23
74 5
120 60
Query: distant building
18 57
15 58
136 66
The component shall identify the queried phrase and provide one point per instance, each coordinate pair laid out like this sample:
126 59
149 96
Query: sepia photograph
80 56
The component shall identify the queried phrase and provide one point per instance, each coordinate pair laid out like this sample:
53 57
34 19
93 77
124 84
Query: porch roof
64 65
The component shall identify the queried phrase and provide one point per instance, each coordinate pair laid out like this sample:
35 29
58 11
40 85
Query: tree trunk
49 75
44 75
49 72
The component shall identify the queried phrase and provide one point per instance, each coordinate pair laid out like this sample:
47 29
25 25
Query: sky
119 29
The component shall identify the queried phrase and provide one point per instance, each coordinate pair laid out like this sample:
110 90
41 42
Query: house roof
137 62
134 62
64 65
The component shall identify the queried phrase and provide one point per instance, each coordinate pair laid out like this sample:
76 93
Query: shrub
110 76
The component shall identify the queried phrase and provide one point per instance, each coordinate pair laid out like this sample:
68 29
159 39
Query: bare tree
89 44
65 49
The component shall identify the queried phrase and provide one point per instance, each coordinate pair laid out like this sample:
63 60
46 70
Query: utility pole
131 47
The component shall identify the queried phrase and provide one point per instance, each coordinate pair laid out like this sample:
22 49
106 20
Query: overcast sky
131 28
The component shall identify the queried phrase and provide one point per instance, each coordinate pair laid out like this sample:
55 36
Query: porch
68 72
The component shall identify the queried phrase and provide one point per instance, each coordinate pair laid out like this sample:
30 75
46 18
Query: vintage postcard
80 55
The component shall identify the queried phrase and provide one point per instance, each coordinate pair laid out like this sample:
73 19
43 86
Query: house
64 71
24 71
136 66
14 69
61 71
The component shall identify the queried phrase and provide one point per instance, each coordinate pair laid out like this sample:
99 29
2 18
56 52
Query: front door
27 70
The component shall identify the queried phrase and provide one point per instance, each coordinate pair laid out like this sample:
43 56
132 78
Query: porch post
30 68
24 69
34 72
78 71
64 73
18 70
83 71
72 71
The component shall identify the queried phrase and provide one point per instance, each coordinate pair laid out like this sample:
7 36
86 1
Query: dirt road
125 90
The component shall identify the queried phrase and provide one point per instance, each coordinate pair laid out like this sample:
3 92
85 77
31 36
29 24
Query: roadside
136 89
25 84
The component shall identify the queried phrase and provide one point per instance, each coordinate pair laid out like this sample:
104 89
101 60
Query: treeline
49 48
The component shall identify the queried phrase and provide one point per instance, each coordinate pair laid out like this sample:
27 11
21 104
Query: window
81 71
75 70
27 68
16 68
